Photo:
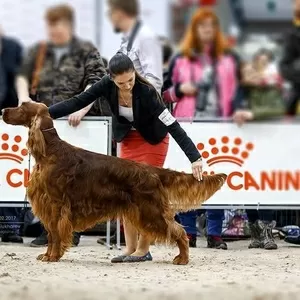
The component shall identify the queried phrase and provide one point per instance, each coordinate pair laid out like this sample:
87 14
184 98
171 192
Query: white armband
167 118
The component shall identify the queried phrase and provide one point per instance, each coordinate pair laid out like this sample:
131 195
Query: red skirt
134 147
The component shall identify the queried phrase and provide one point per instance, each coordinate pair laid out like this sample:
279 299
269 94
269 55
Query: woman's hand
241 116
197 169
75 118
188 88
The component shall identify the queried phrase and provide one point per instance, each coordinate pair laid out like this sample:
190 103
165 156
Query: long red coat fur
72 189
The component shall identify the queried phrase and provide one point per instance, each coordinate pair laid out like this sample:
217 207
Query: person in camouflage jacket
69 66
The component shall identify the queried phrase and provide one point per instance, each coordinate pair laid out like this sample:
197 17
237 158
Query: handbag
39 62
266 102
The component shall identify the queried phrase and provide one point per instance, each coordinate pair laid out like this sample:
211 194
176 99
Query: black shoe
11 238
40 241
192 240
76 238
216 243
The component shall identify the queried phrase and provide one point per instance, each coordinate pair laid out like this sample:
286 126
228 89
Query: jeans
215 218
188 221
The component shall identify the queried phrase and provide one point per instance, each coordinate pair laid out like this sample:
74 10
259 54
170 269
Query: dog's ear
36 141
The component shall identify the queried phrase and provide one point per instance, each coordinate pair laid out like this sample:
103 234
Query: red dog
72 189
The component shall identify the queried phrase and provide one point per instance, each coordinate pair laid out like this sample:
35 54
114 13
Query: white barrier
92 134
262 162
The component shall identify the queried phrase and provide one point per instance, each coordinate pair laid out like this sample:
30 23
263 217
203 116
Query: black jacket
11 59
290 67
151 117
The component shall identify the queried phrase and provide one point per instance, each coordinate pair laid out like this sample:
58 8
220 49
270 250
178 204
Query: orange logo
235 151
11 150
17 155
222 152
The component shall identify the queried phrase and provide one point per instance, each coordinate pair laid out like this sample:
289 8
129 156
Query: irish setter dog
72 189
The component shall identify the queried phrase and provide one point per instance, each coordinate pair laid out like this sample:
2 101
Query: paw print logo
10 148
233 151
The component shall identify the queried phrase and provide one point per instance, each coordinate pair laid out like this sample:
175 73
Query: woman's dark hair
120 63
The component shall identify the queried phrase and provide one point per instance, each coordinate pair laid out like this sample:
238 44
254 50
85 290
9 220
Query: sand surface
85 273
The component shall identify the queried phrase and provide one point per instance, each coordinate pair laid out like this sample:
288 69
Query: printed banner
15 162
261 160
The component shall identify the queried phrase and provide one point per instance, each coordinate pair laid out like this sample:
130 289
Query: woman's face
125 81
207 30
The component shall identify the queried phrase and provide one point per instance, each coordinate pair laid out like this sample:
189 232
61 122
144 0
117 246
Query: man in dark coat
290 61
10 61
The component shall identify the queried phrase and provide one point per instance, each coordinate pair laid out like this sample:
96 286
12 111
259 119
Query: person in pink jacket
201 84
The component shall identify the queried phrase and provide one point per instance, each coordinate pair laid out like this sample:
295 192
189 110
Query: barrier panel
93 134
261 159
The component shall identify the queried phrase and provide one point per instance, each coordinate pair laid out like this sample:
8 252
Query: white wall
25 19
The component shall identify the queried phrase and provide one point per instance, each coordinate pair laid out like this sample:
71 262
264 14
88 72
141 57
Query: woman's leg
131 237
215 219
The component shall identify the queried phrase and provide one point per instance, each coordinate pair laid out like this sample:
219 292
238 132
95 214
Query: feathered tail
185 192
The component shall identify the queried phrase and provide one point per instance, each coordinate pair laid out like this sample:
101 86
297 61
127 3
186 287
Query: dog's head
25 114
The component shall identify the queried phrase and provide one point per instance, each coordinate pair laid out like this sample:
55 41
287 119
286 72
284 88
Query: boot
216 242
192 240
256 236
268 241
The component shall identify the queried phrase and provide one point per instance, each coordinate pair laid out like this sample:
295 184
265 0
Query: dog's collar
48 129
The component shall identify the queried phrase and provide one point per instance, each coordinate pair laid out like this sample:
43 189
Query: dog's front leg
45 257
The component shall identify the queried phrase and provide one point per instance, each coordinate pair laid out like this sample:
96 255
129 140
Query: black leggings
264 215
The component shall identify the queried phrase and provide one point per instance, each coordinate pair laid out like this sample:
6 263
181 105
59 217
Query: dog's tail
185 192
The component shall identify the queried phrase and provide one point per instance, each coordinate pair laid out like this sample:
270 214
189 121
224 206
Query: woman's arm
160 111
80 101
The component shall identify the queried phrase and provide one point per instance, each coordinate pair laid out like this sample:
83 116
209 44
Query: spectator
262 100
10 61
203 80
262 85
142 46
139 42
290 61
167 51
58 69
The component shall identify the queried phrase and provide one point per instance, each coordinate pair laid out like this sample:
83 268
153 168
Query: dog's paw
53 259
41 256
180 260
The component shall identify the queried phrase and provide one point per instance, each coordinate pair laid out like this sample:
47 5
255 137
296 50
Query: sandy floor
86 273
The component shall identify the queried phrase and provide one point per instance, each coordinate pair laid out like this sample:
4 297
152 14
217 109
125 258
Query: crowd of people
204 77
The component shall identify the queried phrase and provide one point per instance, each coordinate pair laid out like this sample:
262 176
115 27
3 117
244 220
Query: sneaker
293 236
11 238
76 239
216 242
40 241
192 240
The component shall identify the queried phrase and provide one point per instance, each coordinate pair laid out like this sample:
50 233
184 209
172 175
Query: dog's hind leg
179 236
